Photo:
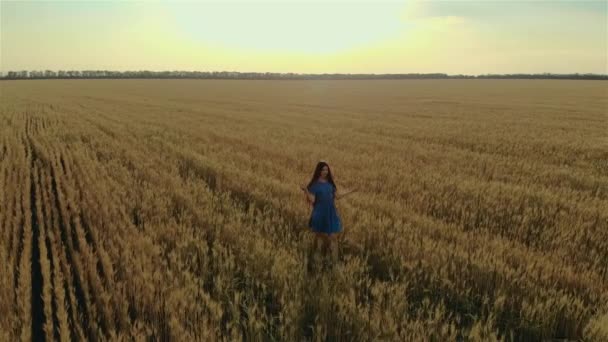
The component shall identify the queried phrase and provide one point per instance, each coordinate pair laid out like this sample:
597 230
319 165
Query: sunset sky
454 37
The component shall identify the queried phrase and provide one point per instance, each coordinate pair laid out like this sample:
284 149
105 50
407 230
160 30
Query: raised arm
341 195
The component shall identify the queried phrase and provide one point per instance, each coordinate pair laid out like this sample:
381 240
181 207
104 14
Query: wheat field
171 210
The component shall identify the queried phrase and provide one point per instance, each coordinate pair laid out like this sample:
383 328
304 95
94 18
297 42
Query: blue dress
324 217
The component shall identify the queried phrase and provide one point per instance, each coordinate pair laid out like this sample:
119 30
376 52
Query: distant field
171 209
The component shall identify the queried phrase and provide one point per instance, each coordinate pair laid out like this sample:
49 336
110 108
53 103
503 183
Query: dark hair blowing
317 174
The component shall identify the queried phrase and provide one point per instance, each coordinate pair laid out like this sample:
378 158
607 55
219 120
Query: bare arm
309 196
342 195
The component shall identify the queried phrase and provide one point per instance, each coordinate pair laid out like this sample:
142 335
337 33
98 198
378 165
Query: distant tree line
70 74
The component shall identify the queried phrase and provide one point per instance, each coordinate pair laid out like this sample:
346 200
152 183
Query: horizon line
97 73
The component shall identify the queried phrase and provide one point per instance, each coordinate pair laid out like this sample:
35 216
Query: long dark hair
317 174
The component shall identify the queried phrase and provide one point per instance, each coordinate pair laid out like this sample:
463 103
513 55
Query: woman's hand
341 195
309 197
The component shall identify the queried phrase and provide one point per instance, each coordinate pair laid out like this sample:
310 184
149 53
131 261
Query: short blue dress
324 217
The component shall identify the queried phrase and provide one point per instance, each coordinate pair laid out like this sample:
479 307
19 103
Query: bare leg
333 246
327 243
320 243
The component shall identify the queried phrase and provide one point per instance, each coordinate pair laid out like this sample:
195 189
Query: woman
324 220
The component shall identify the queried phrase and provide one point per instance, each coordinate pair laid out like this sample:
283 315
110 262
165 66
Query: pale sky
453 37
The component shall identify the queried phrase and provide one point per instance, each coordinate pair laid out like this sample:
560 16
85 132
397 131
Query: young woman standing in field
324 221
